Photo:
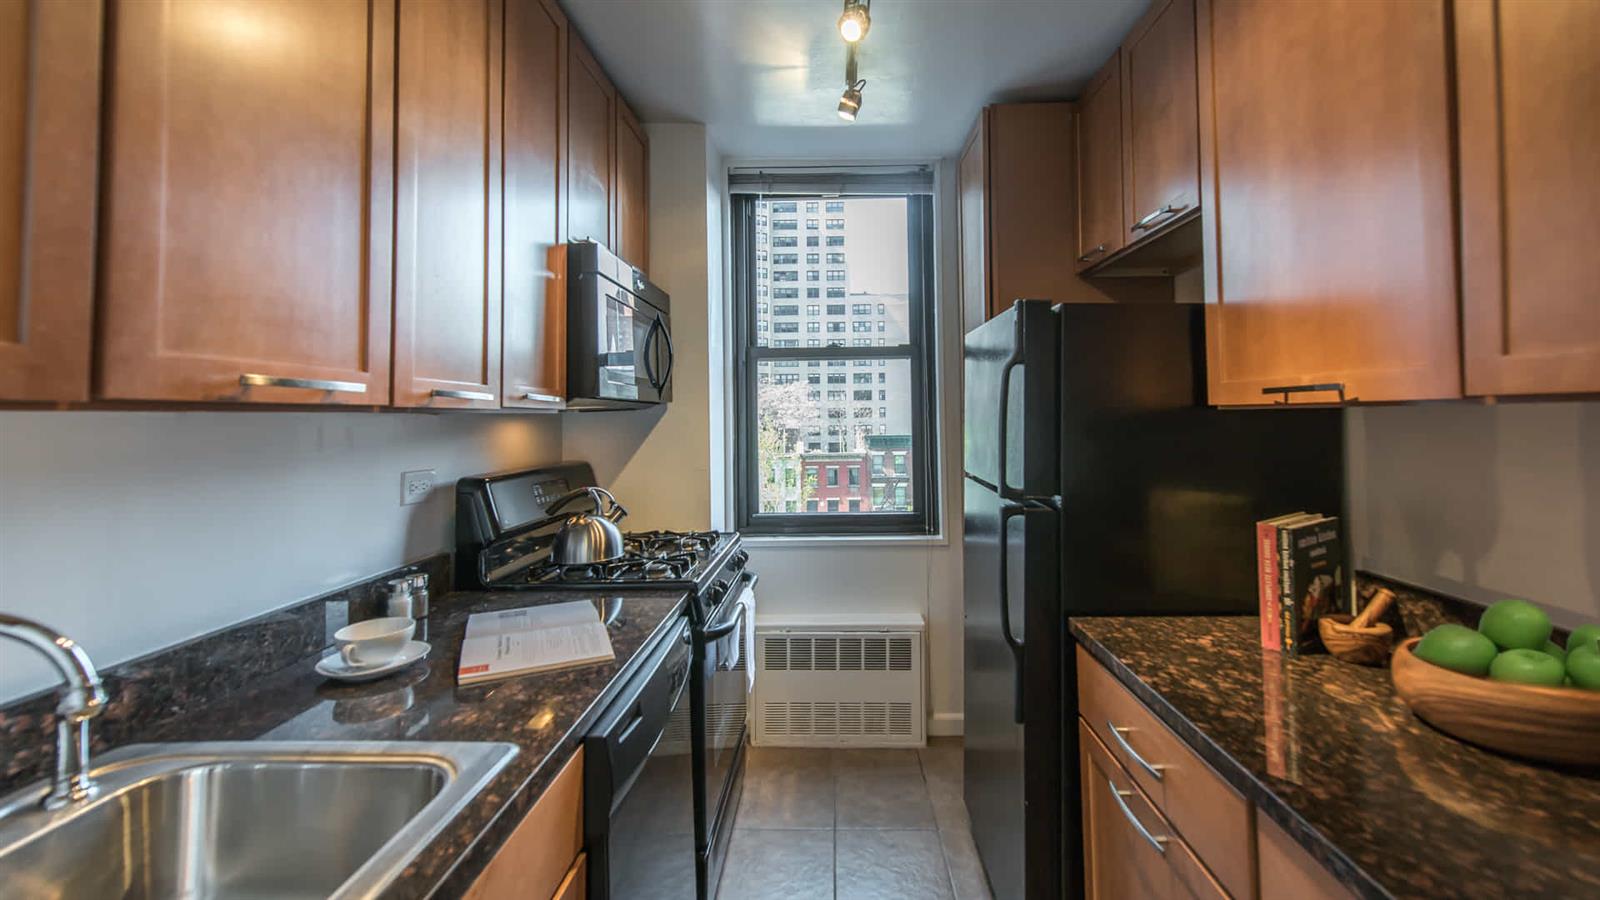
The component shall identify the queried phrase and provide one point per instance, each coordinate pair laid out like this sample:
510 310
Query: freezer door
1012 710
1010 392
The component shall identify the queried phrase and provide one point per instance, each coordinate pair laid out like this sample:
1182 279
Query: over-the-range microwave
619 337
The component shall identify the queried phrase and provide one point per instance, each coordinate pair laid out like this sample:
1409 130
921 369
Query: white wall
658 461
1481 501
130 531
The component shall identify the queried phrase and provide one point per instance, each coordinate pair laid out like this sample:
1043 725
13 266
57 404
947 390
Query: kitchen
980 619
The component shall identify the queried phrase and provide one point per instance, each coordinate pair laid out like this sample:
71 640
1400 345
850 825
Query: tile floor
853 825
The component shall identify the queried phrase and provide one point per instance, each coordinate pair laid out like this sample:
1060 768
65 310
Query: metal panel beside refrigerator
1124 495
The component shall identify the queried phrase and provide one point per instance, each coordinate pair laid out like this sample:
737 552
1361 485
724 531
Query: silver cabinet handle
543 398
310 384
1156 841
1116 732
1092 253
1150 219
462 395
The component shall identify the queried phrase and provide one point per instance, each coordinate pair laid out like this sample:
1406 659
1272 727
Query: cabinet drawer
576 885
1288 872
1122 831
538 859
1214 820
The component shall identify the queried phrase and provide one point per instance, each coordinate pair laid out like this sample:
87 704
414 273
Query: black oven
638 797
721 692
619 336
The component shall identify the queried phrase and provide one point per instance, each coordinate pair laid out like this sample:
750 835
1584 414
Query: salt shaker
419 595
399 600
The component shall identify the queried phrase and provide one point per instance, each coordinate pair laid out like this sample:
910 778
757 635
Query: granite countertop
543 714
1390 806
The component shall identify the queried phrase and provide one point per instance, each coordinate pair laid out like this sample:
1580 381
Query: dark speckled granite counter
1390 806
543 714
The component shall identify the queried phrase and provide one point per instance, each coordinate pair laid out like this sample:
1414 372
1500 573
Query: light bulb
850 103
854 22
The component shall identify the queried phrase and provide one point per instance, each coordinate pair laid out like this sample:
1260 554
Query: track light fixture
850 101
855 20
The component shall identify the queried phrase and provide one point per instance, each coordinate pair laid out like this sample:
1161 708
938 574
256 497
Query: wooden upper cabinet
632 239
447 260
1100 231
971 175
533 362
49 143
1160 129
591 135
246 231
1327 203
1529 100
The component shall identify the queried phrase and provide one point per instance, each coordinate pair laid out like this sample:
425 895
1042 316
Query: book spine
1267 586
1286 606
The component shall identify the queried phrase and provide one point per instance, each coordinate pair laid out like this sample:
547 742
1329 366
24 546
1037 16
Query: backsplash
182 678
1417 610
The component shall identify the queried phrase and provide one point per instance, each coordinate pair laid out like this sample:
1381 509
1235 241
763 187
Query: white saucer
333 665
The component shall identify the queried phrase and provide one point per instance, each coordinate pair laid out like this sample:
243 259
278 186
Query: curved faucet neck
82 698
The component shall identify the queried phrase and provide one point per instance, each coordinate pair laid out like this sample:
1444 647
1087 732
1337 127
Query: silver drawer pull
1158 842
542 398
310 384
1167 210
462 395
1092 253
1116 732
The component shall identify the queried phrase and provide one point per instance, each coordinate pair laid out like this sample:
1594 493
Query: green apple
1457 648
1516 625
1527 667
1553 650
1584 635
1583 667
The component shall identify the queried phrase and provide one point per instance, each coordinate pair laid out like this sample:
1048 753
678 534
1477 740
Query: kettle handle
614 513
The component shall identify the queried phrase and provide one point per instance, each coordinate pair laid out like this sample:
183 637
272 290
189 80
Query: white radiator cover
821 687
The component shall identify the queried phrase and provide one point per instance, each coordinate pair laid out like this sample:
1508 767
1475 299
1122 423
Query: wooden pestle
1376 607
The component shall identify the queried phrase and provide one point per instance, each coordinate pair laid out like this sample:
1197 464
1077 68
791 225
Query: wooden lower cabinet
544 856
1288 872
1131 850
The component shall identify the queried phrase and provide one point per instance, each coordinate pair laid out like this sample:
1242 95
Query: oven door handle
730 624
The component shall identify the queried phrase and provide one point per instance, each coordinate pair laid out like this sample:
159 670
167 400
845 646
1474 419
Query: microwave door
620 340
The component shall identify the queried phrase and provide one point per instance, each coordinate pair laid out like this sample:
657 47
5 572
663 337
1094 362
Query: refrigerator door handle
1005 491
1007 511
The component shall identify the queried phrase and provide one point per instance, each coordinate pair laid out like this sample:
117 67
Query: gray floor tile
888 865
882 798
966 872
941 768
780 795
875 760
778 865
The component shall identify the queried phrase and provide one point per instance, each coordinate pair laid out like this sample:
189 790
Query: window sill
800 541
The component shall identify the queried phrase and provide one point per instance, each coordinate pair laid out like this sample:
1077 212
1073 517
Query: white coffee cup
375 641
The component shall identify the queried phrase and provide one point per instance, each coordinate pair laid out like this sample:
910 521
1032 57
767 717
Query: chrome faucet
82 699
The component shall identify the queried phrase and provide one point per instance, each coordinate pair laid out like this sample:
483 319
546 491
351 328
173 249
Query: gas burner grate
664 544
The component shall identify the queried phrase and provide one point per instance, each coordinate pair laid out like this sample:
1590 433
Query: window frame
921 352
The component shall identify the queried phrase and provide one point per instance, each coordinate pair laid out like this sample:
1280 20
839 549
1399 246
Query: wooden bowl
1550 724
1364 646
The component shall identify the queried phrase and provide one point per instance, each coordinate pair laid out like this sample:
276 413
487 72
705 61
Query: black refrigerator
1098 482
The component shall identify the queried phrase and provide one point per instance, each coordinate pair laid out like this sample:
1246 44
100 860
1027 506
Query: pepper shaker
419 595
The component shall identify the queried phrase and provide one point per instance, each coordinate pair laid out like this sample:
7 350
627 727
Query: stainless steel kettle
590 537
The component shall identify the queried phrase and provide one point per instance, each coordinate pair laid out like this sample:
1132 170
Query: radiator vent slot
839 689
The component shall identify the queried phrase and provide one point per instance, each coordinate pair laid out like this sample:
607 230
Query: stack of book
1300 563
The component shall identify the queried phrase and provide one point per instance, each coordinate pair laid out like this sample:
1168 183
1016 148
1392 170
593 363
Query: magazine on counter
532 639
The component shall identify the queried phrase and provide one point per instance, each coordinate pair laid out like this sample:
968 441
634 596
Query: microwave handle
647 353
666 377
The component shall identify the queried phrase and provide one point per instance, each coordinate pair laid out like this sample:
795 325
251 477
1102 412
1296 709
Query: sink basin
247 819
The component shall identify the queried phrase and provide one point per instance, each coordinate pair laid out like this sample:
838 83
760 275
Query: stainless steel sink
248 819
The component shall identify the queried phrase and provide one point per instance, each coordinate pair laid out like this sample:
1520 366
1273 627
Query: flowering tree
782 415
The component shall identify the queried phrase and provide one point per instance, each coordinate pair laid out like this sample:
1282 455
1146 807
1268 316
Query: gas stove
504 535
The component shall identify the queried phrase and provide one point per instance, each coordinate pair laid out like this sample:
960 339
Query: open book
534 639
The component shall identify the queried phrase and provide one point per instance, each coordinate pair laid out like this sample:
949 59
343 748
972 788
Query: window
849 448
811 294
811 240
780 241
784 207
784 259
785 225
785 293
811 206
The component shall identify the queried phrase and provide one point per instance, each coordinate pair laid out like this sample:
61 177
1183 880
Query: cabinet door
1161 137
50 123
591 134
246 228
1100 231
1329 251
1529 101
632 190
974 229
1121 858
447 253
534 346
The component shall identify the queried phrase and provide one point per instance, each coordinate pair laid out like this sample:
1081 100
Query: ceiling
765 75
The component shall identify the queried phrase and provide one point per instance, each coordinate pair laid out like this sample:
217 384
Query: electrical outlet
414 486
